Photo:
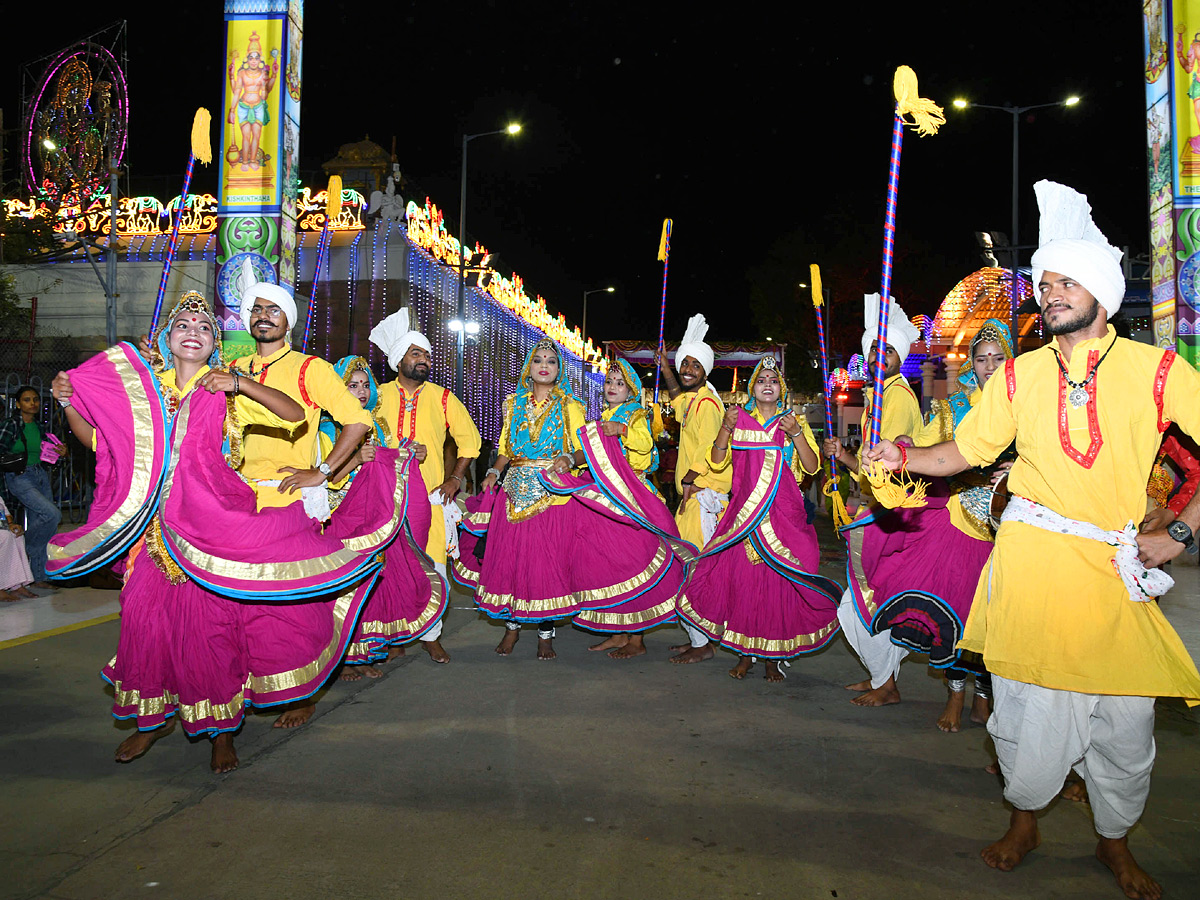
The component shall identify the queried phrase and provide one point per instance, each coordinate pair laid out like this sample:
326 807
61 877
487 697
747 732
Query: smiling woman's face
543 368
191 337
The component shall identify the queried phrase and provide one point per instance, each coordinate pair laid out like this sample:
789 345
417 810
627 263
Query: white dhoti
436 631
1041 734
876 651
712 505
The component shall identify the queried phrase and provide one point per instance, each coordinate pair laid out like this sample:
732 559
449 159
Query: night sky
747 128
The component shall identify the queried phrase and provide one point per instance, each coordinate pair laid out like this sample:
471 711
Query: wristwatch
1180 532
324 469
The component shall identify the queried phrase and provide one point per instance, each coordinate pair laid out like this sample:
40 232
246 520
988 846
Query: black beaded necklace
1078 395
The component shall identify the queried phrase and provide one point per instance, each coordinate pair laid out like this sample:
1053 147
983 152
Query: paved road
582 777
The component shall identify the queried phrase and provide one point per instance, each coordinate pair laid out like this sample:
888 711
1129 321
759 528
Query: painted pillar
259 150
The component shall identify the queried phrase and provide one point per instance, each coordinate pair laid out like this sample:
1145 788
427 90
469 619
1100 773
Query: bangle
799 431
722 449
903 457
462 479
725 427
235 382
64 402
492 471
687 483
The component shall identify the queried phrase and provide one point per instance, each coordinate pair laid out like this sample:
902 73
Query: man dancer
901 414
415 409
269 312
1076 653
703 493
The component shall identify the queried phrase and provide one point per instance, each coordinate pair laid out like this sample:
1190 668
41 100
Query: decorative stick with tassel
841 518
333 208
202 151
664 253
926 119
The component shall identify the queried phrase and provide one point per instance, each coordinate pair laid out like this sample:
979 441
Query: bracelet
903 457
492 471
722 449
462 479
687 483
799 431
725 427
64 402
235 381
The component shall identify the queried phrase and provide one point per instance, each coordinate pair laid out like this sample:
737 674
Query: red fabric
1183 453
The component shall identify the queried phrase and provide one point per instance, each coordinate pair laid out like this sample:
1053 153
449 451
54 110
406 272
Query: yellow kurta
700 415
268 449
939 429
901 415
1051 609
637 440
436 413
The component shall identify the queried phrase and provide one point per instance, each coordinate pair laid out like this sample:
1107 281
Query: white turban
1070 244
693 344
901 333
394 337
263 290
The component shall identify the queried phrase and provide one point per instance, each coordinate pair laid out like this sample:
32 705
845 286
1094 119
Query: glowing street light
513 128
49 144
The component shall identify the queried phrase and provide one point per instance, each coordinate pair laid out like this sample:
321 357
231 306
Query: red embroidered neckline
1095 439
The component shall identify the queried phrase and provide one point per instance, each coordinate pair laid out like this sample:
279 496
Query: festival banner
259 149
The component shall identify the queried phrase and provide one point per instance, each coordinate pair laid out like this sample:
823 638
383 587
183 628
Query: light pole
460 320
1016 112
583 332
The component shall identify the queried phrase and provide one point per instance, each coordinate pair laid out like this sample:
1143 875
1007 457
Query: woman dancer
755 588
970 505
626 554
409 599
185 648
913 572
524 575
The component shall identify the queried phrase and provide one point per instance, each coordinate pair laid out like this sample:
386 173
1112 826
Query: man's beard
270 337
1082 319
415 372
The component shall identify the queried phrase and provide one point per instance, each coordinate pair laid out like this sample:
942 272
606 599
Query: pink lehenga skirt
913 572
627 560
524 574
754 588
225 606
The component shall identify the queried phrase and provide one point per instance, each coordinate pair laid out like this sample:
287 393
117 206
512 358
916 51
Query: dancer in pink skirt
626 554
519 579
164 452
755 588
913 572
410 599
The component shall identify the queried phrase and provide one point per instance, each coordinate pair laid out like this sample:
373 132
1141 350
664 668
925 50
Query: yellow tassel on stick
201 144
333 202
841 517
814 273
657 427
892 491
926 115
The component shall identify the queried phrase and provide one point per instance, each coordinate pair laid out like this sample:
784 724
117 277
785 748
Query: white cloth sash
710 511
1142 584
316 499
451 515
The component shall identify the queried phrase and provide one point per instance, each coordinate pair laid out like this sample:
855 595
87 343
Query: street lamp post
1016 112
583 332
460 320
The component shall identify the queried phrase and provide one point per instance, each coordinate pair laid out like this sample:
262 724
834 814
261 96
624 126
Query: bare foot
395 651
7 597
1021 837
224 756
546 648
884 695
1075 790
981 709
635 646
140 741
24 592
860 686
297 715
992 768
951 717
511 636
774 674
693 655
613 641
1131 878
744 665
679 648
350 673
44 586
371 672
436 651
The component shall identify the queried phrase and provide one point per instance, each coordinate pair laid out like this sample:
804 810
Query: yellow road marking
62 629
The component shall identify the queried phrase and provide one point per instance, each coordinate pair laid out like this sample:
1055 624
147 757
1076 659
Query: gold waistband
520 462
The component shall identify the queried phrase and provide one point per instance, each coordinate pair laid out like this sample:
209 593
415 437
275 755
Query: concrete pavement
582 777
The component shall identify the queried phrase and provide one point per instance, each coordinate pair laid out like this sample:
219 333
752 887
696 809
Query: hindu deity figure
251 82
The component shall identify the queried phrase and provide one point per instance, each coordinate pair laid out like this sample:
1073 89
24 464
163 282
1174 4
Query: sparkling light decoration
982 295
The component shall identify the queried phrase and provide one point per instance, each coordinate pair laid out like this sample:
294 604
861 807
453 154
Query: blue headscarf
632 407
346 367
194 302
991 330
785 399
552 438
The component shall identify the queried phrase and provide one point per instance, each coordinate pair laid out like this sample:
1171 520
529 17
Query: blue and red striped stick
169 258
817 301
889 250
322 251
